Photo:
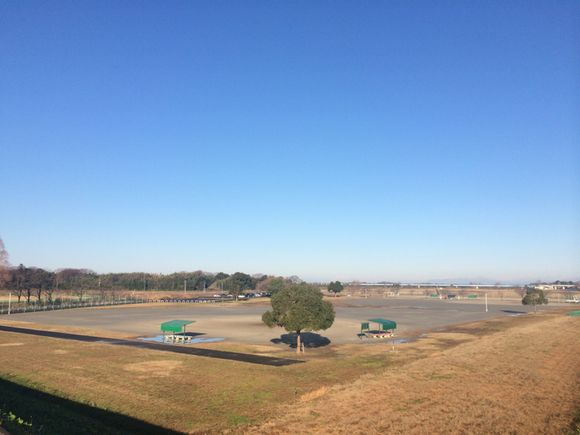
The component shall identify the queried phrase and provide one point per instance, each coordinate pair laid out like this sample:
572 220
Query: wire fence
62 304
15 307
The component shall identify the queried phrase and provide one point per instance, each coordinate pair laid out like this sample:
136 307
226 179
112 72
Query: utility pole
486 302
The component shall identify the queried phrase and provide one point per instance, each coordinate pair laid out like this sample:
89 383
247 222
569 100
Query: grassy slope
179 392
478 378
25 410
524 378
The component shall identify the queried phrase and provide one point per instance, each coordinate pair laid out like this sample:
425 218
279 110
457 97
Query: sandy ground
241 322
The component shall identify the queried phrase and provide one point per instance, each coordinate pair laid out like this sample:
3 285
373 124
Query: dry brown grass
511 375
185 393
522 379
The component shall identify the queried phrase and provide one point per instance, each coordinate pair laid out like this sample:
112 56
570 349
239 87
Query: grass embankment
509 376
182 393
50 414
513 374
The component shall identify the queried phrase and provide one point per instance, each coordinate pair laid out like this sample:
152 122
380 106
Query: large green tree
534 297
298 308
335 287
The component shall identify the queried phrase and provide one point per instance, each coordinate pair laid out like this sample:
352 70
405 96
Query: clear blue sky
395 140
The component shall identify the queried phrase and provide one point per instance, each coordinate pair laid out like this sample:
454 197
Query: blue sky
389 140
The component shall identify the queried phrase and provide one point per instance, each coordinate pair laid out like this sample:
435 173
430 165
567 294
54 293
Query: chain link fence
15 307
62 304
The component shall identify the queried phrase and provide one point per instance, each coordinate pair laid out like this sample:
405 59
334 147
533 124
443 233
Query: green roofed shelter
386 328
175 326
385 324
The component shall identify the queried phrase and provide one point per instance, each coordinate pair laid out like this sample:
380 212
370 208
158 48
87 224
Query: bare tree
48 294
41 280
4 265
20 280
102 289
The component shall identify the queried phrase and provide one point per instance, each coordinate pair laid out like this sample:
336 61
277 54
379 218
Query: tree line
34 282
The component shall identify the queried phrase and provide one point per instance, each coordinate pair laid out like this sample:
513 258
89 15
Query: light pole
486 302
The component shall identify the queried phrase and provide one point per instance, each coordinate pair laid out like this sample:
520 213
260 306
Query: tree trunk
298 343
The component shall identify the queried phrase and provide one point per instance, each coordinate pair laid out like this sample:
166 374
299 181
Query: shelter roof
387 324
175 325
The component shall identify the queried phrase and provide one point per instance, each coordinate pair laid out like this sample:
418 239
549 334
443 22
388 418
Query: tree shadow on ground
514 312
308 339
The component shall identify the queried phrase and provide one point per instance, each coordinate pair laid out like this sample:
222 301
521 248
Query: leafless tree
20 281
48 294
4 265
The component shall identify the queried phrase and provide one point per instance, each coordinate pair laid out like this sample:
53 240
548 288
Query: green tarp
385 323
175 325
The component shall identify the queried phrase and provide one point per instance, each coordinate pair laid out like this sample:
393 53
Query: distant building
547 287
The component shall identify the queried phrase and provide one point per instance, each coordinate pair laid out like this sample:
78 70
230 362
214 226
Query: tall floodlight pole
486 302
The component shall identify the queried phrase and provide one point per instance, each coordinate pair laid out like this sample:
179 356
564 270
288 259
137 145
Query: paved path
210 353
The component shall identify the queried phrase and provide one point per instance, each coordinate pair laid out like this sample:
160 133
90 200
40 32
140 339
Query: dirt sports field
241 322
497 372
